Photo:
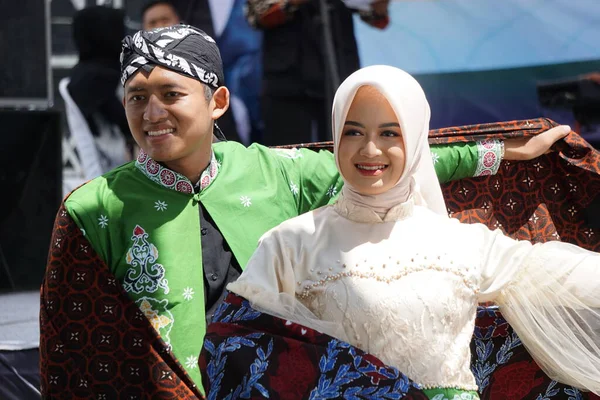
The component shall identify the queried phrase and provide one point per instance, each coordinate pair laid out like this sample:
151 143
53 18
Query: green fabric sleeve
315 175
87 207
317 179
455 161
88 226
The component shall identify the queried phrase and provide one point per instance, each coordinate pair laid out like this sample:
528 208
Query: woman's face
371 150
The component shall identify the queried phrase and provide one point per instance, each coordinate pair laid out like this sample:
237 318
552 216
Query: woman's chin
372 190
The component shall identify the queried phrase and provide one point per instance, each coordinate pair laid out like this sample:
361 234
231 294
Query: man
94 81
163 13
298 81
140 257
159 13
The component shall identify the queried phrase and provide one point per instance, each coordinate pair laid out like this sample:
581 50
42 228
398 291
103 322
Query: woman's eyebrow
354 123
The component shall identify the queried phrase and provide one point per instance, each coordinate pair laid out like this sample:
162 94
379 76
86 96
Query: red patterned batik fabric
553 197
95 343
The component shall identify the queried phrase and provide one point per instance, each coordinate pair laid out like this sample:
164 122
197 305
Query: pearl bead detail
389 278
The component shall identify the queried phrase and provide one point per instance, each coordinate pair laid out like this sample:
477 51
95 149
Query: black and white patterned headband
180 48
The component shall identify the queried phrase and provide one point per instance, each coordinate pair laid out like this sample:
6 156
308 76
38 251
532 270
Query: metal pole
330 54
6 269
331 66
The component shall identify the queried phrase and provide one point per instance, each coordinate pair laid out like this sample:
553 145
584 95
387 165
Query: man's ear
220 102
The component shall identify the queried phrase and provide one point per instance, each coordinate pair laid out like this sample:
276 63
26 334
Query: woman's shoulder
304 225
424 213
435 221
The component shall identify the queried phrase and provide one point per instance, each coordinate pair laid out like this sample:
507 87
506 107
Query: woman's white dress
406 289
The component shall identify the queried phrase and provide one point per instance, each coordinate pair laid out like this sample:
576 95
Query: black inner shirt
218 262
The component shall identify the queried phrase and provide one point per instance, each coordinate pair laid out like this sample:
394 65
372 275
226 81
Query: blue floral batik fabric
248 354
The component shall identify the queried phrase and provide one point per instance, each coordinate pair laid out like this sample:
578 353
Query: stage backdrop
479 61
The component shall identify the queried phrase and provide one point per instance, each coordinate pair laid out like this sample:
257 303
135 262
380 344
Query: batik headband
180 48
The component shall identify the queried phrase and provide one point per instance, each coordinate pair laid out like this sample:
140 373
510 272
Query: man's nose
155 111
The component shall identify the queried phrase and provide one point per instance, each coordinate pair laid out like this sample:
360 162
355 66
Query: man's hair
208 91
151 3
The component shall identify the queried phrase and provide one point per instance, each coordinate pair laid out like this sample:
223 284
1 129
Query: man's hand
380 7
594 77
528 148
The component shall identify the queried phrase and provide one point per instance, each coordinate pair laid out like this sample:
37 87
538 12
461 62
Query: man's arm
482 158
89 326
317 180
62 302
467 160
377 15
266 14
313 175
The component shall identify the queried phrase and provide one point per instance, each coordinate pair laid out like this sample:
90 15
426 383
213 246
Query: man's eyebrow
166 86
135 89
171 86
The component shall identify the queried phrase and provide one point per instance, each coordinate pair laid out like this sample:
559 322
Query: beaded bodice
412 307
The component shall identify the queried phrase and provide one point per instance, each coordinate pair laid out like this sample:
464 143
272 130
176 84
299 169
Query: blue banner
429 36
481 60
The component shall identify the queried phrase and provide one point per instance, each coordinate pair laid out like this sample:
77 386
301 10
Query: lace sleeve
269 283
550 295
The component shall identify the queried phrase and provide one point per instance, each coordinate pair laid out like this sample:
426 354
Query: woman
385 270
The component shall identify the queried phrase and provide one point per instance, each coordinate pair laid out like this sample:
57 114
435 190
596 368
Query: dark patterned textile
180 48
94 340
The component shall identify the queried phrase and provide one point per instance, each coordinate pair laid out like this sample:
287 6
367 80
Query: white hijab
408 101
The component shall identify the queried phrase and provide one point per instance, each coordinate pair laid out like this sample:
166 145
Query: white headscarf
408 101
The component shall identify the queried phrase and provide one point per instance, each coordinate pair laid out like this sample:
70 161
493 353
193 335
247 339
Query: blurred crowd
283 60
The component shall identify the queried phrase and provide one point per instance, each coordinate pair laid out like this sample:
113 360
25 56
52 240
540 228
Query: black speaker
31 190
25 79
580 95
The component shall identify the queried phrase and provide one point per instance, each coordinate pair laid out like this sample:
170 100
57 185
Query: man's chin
159 156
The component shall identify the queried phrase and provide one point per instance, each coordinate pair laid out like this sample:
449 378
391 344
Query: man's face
169 115
160 16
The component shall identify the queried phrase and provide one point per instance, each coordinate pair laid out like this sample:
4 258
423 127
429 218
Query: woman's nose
370 149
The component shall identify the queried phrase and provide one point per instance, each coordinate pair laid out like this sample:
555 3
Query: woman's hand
528 148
